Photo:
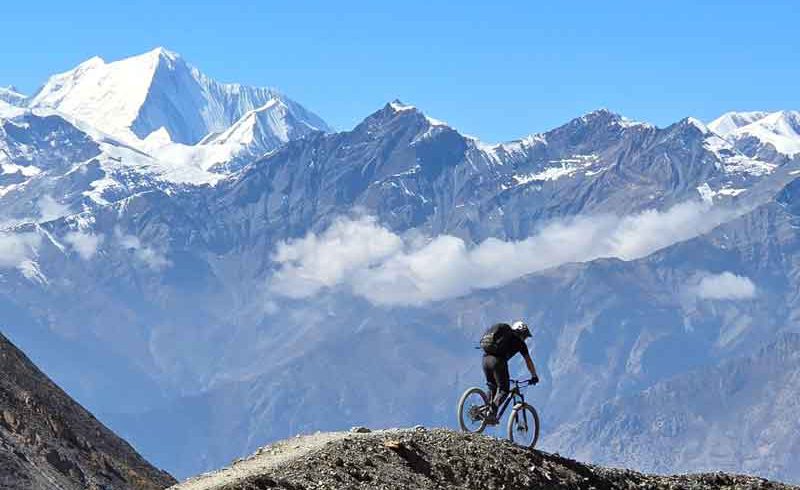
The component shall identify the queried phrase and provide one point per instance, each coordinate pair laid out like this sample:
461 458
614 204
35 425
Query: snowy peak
598 115
780 130
692 124
136 96
11 95
397 110
108 96
257 132
163 53
731 121
398 106
265 127
602 119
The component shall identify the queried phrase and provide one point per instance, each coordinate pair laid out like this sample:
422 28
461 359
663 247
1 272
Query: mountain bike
523 424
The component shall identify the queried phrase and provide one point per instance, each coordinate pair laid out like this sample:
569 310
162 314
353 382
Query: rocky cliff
49 442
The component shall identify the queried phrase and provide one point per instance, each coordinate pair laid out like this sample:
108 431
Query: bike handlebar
521 382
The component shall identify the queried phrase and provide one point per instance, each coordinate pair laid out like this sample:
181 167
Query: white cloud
344 249
50 209
85 244
17 248
148 255
31 271
726 286
388 269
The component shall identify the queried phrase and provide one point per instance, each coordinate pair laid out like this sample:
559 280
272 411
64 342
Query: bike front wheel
471 408
523 426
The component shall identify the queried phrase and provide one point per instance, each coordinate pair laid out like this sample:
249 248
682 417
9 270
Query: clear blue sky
496 70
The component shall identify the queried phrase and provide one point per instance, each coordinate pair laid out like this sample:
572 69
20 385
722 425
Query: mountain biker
500 343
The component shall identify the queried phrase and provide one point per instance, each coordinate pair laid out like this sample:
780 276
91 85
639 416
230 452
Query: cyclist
500 343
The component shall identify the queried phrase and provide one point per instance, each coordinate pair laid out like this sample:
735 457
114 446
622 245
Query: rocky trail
435 459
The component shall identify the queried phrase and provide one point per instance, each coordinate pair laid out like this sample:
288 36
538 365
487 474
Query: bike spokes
471 410
523 426
475 414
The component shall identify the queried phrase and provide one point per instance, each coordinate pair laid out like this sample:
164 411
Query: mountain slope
413 172
51 167
257 132
736 415
157 89
49 442
10 95
264 128
401 459
603 329
731 121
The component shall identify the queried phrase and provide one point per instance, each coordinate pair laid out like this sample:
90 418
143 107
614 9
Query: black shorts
496 371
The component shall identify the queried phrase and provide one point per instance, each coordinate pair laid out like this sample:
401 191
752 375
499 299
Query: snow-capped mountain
50 167
156 90
10 95
256 133
265 128
731 121
768 135
226 295
104 131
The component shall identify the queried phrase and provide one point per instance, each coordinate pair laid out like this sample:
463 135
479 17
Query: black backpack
495 338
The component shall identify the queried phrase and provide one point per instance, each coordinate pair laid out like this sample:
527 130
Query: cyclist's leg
503 381
488 372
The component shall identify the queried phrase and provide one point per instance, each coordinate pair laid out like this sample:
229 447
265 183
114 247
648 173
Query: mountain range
215 262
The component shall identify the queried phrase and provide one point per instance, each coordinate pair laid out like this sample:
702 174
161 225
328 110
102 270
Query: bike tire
524 413
462 409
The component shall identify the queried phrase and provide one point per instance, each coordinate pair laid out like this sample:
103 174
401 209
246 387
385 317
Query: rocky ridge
438 458
49 442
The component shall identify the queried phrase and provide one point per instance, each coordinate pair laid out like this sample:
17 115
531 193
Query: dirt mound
436 459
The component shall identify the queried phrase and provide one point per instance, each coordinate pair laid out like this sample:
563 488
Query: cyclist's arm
530 364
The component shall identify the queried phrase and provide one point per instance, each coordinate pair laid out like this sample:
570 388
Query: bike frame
513 395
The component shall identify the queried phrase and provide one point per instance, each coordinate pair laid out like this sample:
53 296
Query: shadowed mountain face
161 273
49 442
414 172
737 415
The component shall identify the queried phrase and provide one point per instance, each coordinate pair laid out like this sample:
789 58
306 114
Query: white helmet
521 329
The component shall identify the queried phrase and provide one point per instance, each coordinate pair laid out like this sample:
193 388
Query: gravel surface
265 461
435 459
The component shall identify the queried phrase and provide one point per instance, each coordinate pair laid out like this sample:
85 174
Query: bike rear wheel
470 410
523 426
